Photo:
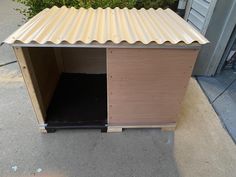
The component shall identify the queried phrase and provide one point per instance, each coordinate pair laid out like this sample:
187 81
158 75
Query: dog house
106 68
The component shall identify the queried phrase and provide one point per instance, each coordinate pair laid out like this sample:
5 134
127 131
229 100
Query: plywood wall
84 60
46 71
146 86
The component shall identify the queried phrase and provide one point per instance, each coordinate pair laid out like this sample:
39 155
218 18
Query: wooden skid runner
118 129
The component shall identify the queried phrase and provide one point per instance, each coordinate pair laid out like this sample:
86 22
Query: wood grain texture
164 127
146 86
46 71
23 57
84 60
59 59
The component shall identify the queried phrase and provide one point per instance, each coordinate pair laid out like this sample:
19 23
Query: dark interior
80 101
72 85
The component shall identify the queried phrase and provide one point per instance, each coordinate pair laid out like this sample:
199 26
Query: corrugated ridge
70 25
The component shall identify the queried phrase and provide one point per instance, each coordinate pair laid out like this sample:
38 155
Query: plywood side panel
84 60
46 70
23 57
146 86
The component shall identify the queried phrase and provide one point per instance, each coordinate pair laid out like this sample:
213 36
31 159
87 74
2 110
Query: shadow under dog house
106 68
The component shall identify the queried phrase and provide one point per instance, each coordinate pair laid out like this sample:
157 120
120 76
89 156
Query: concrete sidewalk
10 21
221 92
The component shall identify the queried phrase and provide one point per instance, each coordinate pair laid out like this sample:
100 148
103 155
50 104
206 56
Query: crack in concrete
8 63
224 91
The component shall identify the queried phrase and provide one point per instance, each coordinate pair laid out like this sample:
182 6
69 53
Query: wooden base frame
118 129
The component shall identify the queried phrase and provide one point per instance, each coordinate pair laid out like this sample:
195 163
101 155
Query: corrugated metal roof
71 26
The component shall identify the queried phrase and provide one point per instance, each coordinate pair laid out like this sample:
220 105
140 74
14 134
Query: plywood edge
107 70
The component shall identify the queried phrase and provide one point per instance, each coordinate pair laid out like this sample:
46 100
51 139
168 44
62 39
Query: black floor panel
80 101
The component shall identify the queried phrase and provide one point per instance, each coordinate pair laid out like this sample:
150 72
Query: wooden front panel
146 86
